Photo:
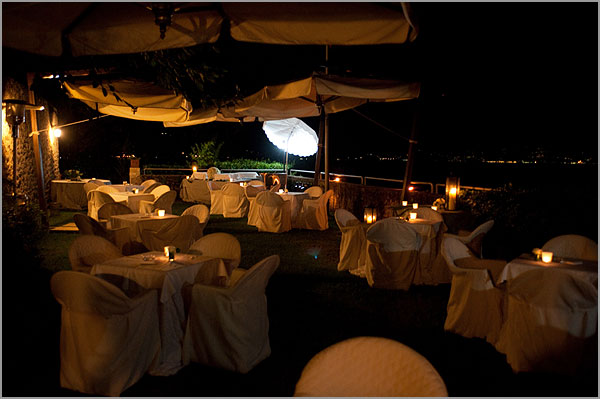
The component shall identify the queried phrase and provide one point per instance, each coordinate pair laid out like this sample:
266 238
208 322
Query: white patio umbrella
293 136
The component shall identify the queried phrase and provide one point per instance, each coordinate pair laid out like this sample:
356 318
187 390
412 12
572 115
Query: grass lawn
311 306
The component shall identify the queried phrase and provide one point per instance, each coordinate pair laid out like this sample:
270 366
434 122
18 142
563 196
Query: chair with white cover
107 340
572 246
96 199
179 232
89 186
251 193
353 244
474 239
147 183
313 214
314 191
240 338
87 250
392 254
369 367
475 304
551 323
220 245
195 190
216 198
111 209
160 190
165 201
88 226
151 187
203 214
274 213
235 203
107 188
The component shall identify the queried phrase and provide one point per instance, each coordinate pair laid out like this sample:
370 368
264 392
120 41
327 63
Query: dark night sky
495 75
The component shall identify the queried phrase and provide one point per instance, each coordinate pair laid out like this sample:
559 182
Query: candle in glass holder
415 206
546 257
194 168
281 191
413 215
136 190
170 252
404 203
434 207
124 182
161 212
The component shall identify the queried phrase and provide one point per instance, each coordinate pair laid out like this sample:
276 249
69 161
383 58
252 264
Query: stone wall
26 166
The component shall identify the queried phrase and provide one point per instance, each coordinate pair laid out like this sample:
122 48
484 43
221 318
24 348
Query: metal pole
326 149
411 150
37 151
15 136
320 144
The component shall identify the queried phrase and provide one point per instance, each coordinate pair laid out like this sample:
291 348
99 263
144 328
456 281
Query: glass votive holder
547 257
170 252
415 206
281 191
161 212
404 203
124 182
136 190
433 207
413 215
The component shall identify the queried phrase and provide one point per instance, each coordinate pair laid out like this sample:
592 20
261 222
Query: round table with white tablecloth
69 194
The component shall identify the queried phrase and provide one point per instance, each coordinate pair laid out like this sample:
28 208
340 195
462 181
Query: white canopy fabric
121 28
292 135
301 99
139 100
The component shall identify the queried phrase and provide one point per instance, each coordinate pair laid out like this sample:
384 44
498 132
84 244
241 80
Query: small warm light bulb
415 206
337 179
453 190
194 168
413 215
56 132
410 188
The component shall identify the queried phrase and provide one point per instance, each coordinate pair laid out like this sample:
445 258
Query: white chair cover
551 323
107 188
474 239
203 214
179 233
165 201
572 246
147 183
475 304
353 245
220 245
195 191
392 254
256 183
274 213
314 191
96 199
160 190
313 215
107 340
87 250
89 186
235 203
251 193
151 187
240 338
212 171
113 208
369 367
86 225
216 198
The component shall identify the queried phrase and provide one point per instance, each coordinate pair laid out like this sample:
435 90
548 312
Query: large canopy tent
79 29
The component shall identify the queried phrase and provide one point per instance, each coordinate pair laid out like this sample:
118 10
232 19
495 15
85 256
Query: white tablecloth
133 200
70 194
295 202
585 270
169 278
137 222
127 187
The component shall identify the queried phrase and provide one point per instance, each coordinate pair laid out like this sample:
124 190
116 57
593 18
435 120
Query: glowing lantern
415 206
370 215
433 207
404 203
547 257
194 168
161 212
452 189
413 215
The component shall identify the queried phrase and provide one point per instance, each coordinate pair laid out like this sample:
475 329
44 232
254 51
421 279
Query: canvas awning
132 99
78 29
305 97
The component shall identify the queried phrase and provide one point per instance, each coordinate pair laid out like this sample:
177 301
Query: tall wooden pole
39 167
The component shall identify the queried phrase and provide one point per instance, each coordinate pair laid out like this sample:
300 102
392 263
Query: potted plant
72 174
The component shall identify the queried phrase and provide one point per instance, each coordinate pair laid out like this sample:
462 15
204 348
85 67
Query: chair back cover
235 203
108 340
87 250
313 215
89 186
274 213
572 246
107 188
551 323
87 225
369 367
195 191
96 199
252 191
392 254
152 186
203 214
165 201
256 183
314 191
147 183
220 245
240 340
353 244
113 208
179 233
160 190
